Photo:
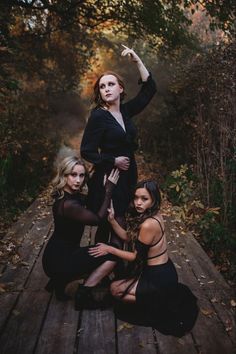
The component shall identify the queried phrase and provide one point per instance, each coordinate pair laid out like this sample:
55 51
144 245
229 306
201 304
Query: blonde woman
63 259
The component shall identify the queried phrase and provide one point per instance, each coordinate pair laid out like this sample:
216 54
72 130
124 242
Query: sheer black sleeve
75 211
141 100
92 138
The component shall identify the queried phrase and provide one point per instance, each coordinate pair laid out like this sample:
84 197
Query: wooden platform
33 321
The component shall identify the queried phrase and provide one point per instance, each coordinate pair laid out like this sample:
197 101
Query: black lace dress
161 301
63 259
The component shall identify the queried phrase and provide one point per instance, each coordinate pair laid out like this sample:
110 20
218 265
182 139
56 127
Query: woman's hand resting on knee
100 249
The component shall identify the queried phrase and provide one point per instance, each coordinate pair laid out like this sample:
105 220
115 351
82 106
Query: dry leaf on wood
207 312
233 303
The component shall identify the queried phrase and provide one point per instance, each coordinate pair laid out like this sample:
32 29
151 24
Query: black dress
104 139
161 301
63 259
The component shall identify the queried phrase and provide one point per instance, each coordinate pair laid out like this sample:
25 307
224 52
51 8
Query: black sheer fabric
63 258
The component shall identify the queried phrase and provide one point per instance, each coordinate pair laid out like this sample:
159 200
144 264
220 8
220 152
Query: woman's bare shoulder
152 223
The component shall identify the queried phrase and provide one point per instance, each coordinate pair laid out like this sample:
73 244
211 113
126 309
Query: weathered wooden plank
37 279
216 340
7 301
36 282
58 334
189 247
28 251
18 275
210 281
135 339
219 295
97 332
172 345
22 329
19 229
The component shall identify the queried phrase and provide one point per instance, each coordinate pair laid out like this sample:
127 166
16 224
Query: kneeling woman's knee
114 288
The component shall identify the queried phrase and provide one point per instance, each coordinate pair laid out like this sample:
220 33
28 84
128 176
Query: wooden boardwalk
33 321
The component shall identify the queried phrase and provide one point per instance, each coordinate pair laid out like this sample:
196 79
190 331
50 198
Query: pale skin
110 91
74 182
150 232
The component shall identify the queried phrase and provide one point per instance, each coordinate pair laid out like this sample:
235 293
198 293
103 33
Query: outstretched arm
135 58
102 249
74 211
120 232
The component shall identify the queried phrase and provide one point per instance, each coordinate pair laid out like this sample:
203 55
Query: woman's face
109 89
142 200
75 179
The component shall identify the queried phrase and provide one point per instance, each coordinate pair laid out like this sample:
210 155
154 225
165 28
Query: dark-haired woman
152 283
109 138
64 259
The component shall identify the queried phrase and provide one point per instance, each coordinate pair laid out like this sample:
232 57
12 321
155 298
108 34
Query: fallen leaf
233 303
207 312
177 266
141 345
2 290
124 325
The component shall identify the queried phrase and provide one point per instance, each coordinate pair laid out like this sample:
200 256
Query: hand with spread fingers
114 176
131 53
100 249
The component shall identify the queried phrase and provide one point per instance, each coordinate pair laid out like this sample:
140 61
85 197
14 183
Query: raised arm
73 210
115 225
135 58
148 89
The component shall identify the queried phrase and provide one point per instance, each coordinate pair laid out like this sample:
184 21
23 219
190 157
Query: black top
63 258
104 138
70 215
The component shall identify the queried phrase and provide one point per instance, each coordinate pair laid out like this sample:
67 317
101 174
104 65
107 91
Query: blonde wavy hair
64 168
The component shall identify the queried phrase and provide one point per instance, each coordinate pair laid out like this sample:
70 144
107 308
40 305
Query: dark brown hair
134 219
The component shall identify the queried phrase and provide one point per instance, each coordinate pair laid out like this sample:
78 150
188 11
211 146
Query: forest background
51 52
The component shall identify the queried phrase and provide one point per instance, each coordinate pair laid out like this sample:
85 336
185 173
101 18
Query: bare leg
119 287
98 274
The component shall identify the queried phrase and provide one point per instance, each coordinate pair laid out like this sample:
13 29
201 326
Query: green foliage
180 186
214 234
